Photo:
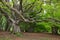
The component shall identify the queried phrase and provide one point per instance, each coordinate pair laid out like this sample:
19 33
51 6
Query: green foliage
24 26
3 22
19 34
42 27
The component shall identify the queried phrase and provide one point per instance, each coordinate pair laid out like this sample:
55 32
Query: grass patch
19 34
5 38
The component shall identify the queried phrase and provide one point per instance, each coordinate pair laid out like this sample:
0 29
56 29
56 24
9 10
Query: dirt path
41 36
29 36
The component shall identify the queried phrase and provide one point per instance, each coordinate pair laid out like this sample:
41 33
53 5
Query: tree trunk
16 28
54 30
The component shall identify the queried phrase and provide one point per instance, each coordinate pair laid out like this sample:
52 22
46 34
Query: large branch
49 20
21 5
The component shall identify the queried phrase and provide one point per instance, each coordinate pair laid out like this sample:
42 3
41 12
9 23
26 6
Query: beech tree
17 11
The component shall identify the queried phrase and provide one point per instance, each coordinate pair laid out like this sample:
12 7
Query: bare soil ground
29 36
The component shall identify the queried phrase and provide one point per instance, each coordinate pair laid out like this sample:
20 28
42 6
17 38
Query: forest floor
29 36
